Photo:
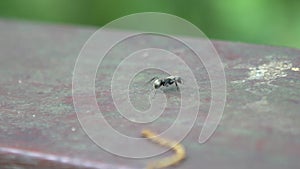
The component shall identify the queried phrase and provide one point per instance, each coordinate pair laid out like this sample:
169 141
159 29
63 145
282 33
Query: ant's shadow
169 91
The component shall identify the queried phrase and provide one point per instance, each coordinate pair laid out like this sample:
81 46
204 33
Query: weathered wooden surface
39 128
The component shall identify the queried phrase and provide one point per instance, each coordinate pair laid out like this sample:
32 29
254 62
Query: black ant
159 82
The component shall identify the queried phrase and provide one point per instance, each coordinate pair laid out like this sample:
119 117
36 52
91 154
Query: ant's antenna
154 78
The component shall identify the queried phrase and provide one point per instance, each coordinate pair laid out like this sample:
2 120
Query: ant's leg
177 86
152 94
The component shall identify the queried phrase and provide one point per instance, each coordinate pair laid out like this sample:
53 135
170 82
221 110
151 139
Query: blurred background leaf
273 22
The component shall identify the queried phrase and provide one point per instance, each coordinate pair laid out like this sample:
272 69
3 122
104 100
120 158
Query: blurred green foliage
274 22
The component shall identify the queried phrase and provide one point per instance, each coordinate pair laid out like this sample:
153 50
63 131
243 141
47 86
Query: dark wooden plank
39 128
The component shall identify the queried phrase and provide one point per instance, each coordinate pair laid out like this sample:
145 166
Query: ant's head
157 83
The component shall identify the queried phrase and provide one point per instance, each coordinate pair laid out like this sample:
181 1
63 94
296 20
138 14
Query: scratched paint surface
39 128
